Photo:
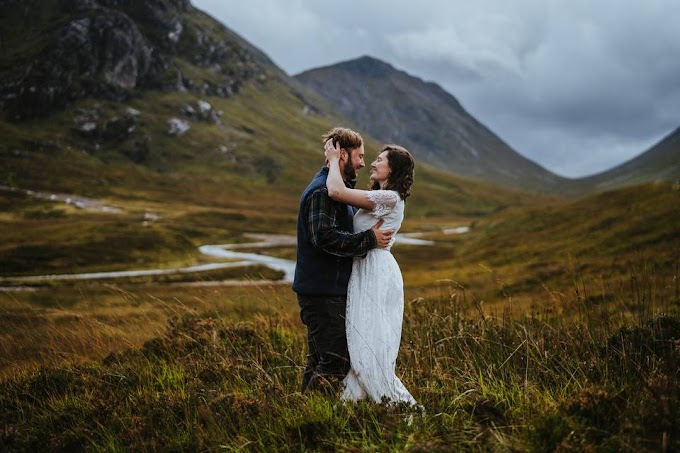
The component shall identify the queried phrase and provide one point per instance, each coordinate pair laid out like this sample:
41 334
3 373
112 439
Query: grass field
209 369
551 327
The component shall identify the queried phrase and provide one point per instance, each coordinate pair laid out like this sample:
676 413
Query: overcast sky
578 86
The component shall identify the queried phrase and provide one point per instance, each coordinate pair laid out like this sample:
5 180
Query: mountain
138 84
396 107
157 88
156 109
58 51
659 163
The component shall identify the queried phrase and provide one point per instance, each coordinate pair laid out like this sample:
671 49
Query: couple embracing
348 284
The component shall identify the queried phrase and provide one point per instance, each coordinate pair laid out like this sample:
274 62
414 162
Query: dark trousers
327 357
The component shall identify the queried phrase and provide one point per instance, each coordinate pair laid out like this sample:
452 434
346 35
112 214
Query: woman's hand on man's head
331 152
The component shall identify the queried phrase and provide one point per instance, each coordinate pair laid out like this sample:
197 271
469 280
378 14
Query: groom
326 245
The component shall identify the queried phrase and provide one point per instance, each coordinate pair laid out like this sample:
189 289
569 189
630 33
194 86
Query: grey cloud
577 86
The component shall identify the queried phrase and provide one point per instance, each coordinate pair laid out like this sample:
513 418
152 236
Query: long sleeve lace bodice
388 206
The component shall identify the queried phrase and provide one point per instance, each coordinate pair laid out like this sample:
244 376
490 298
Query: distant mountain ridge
661 162
394 106
397 107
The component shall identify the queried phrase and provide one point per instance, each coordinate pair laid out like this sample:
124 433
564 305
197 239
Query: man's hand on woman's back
382 237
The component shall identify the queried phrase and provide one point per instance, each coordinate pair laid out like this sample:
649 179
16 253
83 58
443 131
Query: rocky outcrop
109 48
177 126
202 111
102 55
118 128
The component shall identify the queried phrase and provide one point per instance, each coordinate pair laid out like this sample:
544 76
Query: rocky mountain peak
367 66
108 48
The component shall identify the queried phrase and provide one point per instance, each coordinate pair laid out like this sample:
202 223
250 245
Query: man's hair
347 138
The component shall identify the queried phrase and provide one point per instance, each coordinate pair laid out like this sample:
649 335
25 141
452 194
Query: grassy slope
505 343
201 193
661 162
537 254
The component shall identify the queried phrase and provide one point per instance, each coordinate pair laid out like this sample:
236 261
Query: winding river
220 251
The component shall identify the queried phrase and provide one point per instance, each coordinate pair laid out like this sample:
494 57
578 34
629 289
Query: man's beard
349 171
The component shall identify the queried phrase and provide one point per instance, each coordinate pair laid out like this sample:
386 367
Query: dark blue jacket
326 243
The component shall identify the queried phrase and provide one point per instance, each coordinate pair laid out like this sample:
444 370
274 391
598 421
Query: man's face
353 163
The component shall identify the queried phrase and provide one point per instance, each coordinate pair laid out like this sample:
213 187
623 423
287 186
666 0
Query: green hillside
597 245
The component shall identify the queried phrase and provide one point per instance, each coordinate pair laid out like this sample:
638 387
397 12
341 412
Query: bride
375 296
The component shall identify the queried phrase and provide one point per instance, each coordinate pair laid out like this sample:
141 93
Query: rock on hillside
394 106
62 50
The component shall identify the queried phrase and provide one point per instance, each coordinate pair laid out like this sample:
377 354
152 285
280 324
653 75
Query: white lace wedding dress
375 310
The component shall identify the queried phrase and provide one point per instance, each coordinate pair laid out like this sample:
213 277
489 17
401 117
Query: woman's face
380 169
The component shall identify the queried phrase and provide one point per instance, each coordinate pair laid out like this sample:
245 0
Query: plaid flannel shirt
324 231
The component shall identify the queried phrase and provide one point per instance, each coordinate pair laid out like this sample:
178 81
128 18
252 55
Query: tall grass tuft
593 371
